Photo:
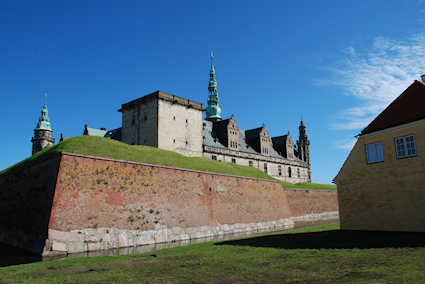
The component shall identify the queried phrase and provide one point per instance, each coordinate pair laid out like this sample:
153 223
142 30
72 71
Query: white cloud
376 77
345 144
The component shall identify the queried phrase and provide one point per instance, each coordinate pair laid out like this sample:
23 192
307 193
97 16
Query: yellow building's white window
374 153
405 146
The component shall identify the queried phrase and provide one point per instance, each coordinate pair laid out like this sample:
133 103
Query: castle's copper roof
408 107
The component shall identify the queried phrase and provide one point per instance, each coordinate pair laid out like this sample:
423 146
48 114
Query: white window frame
374 153
405 146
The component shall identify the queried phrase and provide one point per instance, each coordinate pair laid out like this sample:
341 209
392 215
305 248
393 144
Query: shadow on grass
336 239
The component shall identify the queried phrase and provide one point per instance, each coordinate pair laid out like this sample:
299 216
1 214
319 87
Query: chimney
423 78
103 128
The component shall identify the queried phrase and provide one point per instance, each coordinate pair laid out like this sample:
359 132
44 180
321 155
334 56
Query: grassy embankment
107 148
313 255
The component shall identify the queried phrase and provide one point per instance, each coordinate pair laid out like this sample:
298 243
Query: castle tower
213 110
303 144
43 132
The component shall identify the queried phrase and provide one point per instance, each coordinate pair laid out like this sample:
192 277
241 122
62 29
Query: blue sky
335 63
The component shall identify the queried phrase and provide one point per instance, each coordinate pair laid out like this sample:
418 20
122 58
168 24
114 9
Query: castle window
214 157
405 146
186 120
174 118
174 140
375 153
251 164
289 172
265 168
233 160
279 169
299 173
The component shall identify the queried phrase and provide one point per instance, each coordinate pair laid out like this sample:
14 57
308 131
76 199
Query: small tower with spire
213 110
303 144
43 132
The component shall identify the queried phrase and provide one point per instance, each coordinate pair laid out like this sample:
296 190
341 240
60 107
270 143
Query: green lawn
108 148
321 254
309 185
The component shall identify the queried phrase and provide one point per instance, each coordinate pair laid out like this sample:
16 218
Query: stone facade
180 127
164 121
140 122
280 169
42 139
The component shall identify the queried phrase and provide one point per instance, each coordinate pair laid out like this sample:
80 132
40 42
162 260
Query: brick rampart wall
98 193
311 201
25 202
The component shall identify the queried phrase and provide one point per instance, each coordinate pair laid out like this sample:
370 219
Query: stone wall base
76 241
317 216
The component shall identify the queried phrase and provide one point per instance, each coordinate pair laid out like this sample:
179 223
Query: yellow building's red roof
408 107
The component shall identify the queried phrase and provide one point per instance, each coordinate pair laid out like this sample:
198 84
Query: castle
173 123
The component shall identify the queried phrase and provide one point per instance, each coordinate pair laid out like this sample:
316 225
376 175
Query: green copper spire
213 110
44 121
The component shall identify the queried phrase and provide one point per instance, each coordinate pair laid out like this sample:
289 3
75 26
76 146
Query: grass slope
308 185
108 148
311 255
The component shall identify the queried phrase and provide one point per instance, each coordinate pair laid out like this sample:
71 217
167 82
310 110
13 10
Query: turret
43 132
213 110
303 144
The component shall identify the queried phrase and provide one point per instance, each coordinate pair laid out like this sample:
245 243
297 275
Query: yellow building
381 185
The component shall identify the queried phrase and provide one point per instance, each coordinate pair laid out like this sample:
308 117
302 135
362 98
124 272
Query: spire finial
212 59
45 98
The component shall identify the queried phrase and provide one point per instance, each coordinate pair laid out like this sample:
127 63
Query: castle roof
212 140
113 134
95 132
408 107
